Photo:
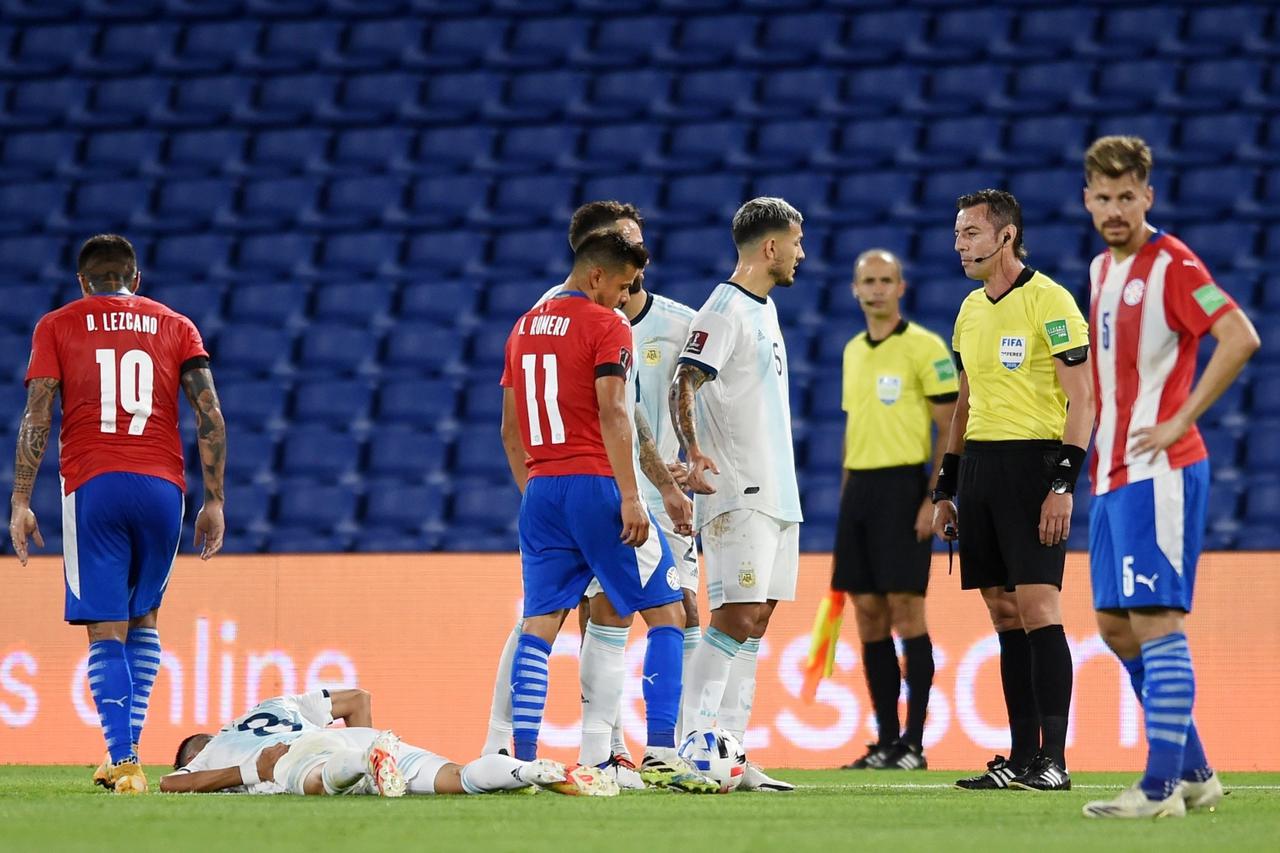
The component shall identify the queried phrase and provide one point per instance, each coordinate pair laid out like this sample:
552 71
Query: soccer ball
717 755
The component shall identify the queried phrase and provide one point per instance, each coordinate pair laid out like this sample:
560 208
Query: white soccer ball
717 755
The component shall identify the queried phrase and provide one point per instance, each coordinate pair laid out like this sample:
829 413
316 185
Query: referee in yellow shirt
1021 346
898 376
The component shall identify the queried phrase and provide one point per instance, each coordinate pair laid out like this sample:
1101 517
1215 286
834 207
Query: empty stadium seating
355 198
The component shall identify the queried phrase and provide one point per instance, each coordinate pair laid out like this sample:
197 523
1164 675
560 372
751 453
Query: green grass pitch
55 809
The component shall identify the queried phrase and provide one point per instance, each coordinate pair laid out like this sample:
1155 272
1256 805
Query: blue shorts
1145 539
119 537
570 531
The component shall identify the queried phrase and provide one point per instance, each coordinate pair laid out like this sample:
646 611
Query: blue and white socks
142 648
662 674
601 671
1169 690
1195 765
705 683
112 689
528 693
740 690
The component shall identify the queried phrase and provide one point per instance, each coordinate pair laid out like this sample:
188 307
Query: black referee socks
919 653
1019 696
880 661
1051 657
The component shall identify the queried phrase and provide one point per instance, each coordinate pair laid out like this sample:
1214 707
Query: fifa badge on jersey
1013 349
652 355
1210 297
1132 293
747 576
1057 332
697 340
888 389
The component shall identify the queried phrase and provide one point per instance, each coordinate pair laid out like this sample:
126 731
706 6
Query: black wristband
948 475
1069 465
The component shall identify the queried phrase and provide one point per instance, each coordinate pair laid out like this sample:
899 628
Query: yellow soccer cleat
127 778
102 775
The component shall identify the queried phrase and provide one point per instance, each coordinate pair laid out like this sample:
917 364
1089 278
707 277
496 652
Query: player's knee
737 620
691 616
872 615
668 615
906 612
1003 610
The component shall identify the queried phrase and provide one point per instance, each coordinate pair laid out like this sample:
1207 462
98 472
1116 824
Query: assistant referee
1021 345
897 378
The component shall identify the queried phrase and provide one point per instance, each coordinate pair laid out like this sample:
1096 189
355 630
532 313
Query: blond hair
1114 156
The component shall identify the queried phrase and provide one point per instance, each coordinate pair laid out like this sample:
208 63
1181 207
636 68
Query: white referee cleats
382 767
1133 803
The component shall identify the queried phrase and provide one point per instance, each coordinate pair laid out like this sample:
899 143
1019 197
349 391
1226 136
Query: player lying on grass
285 745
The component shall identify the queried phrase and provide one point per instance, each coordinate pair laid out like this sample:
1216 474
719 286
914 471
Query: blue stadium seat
202 152
32 155
1262 451
798 92
869 143
194 255
248 509
962 35
703 146
695 199
489 505
321 453
505 301
821 504
1135 31
528 250
951 142
362 252
872 196
191 204
255 452
292 99
275 202
447 253
423 348
131 48
708 94
40 103
1259 537
624 95
541 42
404 506
847 243
540 95
1047 88
1045 140
406 453
808 191
960 90
201 303
1131 86
790 143
315 505
709 40
825 397
1048 192
416 402
375 98
939 190
1155 129
1214 191
482 400
308 540
638 189
365 149
624 41
361 201
526 200
337 403
526 149
390 540
438 301
793 39
704 252
1215 137
337 350
33 255
441 201
619 148
212 46
1262 501
256 350
268 303
452 148
824 445
380 43
292 150
1219 29
23 306
875 37
478 451
1045 33
1218 249
111 205
50 49
253 404
208 101
1216 84
294 45
361 303
457 97
27 206
457 43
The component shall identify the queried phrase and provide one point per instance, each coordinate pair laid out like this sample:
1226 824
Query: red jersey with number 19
119 360
554 355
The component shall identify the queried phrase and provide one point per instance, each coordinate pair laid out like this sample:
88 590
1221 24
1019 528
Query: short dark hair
187 750
1002 210
611 250
107 247
762 216
595 215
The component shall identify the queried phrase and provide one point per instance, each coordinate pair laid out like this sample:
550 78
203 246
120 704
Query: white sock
499 734
342 770
492 773
740 690
692 637
602 669
618 743
704 683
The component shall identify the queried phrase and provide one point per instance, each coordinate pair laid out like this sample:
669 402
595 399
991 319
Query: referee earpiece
993 254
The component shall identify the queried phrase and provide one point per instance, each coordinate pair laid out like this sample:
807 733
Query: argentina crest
1013 349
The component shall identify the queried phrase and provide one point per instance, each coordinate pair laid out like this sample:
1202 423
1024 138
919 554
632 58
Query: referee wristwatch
1061 487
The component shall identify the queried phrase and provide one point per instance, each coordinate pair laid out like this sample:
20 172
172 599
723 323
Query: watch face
1059 487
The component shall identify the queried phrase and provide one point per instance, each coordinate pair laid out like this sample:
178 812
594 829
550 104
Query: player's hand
680 473
210 528
1055 518
699 465
924 521
22 525
1154 439
945 524
635 522
679 510
268 759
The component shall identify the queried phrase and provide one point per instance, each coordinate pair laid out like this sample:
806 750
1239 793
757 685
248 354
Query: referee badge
1013 349
888 389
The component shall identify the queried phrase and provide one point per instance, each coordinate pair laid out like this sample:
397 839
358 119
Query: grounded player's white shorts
315 748
683 550
751 558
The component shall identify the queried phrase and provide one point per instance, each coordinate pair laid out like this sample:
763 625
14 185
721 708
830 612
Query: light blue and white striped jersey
659 332
744 412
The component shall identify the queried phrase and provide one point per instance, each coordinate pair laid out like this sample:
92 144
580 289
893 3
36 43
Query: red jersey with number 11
119 360
554 355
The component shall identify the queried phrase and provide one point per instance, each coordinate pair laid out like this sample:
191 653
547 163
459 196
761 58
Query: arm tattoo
33 435
211 430
686 384
650 459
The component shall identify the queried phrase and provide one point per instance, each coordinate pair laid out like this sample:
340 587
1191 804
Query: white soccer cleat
542 771
624 773
382 767
583 781
1203 795
755 779
1133 803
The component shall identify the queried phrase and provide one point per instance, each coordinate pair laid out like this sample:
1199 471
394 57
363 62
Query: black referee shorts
876 546
1002 487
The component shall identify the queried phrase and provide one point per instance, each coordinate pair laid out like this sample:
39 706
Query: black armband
1070 463
198 362
948 475
1072 357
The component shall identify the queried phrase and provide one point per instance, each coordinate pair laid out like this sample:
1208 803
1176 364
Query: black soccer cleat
905 756
997 777
873 760
1042 774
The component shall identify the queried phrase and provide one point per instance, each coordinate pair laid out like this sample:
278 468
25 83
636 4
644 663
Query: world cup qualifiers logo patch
624 358
697 340
1057 332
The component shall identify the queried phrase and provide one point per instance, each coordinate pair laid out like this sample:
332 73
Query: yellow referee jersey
887 388
1006 348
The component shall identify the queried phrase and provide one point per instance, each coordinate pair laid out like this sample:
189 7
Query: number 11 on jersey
550 392
137 378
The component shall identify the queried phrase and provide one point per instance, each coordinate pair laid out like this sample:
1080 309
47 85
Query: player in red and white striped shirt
1152 299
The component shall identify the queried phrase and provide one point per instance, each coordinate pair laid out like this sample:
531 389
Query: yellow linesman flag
822 643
